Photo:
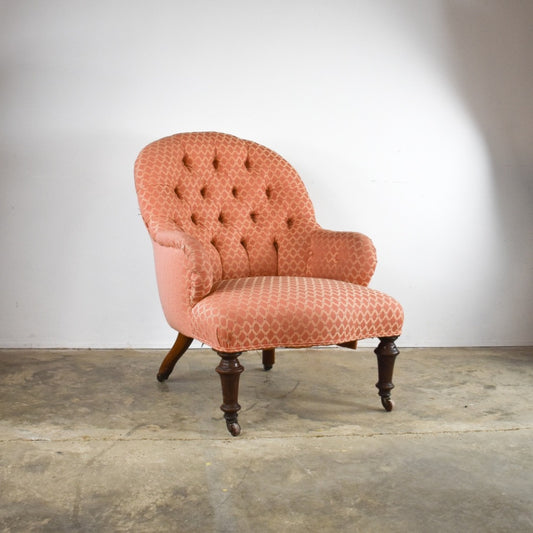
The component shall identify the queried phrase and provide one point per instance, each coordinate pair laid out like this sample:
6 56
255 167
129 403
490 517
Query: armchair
242 264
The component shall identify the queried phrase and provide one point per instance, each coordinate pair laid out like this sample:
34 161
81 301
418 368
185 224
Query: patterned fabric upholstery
271 311
241 262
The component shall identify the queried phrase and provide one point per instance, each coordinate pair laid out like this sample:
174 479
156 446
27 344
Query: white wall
409 120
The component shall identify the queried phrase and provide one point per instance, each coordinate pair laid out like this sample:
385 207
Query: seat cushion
282 311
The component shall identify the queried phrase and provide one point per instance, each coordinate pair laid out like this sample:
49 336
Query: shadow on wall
491 57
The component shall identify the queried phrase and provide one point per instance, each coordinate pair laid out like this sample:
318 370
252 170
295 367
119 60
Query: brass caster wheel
387 403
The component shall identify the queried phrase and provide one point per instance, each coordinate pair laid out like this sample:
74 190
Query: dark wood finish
229 371
269 358
172 357
386 353
350 344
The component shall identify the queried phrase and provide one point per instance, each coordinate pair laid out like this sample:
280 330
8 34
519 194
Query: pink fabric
201 268
227 216
266 312
245 203
342 255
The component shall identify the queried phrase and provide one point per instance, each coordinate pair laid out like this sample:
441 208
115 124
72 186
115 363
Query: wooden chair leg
172 357
350 344
386 353
229 371
269 358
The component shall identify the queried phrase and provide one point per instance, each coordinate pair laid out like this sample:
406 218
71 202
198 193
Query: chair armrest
197 270
345 256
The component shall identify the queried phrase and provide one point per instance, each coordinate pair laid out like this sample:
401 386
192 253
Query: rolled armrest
345 256
199 270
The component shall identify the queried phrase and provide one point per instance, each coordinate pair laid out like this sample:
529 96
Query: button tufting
243 243
247 164
187 163
275 243
203 191
193 219
268 192
290 222
253 216
178 194
215 163
221 218
234 192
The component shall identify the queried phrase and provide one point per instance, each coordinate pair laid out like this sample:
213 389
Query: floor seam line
281 437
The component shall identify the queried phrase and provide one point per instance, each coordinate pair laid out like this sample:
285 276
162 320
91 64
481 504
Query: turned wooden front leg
386 353
229 371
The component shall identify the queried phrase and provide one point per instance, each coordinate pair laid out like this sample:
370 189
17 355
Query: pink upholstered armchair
242 264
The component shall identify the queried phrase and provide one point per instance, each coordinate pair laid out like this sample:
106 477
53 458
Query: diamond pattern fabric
236 245
341 255
244 202
268 312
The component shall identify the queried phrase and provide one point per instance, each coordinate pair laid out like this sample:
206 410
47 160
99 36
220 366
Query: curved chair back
243 201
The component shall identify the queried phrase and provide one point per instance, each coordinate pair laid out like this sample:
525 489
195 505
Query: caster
232 424
387 403
234 428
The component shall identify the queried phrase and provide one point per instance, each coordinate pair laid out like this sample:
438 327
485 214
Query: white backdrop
409 120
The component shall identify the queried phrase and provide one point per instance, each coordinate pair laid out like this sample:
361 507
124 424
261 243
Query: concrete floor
90 441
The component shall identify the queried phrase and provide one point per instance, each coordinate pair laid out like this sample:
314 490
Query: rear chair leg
172 357
350 344
269 358
229 371
386 353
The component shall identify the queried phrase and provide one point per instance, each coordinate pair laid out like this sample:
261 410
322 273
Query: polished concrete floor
90 441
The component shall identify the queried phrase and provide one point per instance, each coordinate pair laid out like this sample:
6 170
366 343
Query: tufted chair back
242 201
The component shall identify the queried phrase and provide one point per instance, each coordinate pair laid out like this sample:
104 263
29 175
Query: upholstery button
234 192
247 164
268 192
221 218
193 219
290 222
253 216
177 192
243 243
275 243
186 162
215 163
203 192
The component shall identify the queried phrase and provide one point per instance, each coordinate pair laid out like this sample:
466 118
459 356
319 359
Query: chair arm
198 271
345 256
